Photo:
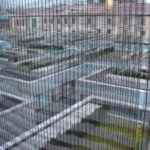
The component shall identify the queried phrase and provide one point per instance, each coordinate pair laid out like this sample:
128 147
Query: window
142 21
45 20
65 20
73 20
89 21
17 22
109 20
143 33
34 23
125 20
109 31
52 21
58 21
23 22
99 30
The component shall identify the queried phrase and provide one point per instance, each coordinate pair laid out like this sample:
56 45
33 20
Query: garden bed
131 73
92 133
122 77
96 54
29 66
27 116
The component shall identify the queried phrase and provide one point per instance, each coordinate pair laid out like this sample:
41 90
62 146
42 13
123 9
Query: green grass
125 131
110 127
100 140
28 66
71 146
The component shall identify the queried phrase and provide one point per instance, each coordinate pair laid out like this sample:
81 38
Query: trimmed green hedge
131 73
28 66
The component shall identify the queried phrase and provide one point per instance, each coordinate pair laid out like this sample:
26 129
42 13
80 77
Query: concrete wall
113 92
39 86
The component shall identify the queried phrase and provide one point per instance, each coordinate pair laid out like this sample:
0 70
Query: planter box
33 87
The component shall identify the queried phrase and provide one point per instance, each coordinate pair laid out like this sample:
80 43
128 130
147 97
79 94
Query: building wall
120 27
146 29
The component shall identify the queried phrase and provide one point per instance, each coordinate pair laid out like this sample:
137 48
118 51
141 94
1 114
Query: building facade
122 18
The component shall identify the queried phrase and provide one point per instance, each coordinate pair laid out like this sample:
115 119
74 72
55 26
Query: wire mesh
74 75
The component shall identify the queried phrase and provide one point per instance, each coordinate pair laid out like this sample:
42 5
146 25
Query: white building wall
146 29
128 26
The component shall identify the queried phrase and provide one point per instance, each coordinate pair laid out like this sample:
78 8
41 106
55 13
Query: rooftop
92 126
115 89
122 77
27 116
7 102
